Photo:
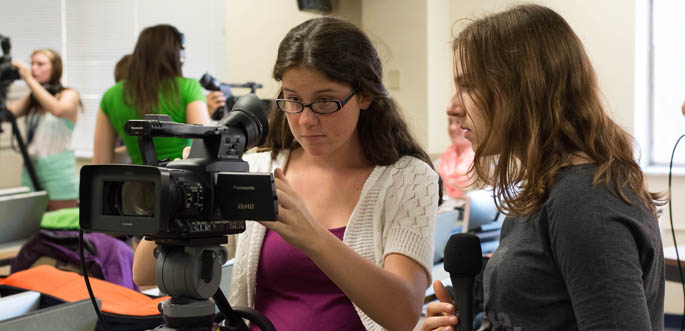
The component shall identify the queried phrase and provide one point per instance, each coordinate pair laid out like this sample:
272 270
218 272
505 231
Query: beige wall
440 81
255 28
399 30
413 40
253 32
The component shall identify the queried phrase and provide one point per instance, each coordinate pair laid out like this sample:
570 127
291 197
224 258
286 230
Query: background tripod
6 115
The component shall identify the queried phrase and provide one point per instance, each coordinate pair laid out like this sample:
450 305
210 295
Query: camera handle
190 275
147 151
6 115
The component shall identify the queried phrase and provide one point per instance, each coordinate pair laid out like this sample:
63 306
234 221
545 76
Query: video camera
209 194
187 207
8 73
210 83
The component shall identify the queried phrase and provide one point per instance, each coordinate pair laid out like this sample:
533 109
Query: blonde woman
51 111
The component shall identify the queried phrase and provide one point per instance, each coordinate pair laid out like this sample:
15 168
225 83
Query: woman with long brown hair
581 248
154 84
353 246
51 111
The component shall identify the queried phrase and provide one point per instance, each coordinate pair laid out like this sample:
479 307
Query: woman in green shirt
155 85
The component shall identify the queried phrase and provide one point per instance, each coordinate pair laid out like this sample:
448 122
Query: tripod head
189 270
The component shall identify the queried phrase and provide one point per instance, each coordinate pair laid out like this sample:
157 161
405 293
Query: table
8 251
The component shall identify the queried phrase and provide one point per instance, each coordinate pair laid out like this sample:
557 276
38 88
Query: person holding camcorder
356 195
215 100
51 111
154 85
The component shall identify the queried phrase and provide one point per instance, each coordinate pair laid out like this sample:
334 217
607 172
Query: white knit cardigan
394 214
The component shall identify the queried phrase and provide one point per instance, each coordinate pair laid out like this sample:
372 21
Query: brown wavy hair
153 67
344 53
121 68
532 79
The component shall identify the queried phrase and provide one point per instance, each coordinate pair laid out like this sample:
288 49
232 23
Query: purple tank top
295 294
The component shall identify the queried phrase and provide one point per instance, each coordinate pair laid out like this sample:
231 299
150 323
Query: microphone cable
675 244
85 276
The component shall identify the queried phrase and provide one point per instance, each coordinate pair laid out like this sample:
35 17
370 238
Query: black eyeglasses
319 107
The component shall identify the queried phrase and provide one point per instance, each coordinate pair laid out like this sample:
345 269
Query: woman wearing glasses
352 248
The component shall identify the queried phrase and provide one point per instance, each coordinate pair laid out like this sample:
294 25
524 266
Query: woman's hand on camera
22 68
440 314
295 224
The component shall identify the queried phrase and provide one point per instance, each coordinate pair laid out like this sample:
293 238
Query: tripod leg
255 318
233 321
6 115
234 317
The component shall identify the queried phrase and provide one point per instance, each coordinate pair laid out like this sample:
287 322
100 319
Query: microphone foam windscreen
463 255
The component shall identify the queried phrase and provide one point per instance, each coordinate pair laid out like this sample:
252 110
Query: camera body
209 194
8 73
210 83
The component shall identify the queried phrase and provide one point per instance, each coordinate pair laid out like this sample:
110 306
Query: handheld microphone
463 261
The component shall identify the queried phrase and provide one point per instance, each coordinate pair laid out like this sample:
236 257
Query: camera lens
138 198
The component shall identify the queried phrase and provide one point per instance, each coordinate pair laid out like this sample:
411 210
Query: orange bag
121 306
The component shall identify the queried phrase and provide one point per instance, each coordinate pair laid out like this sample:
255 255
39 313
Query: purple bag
106 257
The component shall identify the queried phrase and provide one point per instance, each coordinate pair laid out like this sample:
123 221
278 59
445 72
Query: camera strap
33 116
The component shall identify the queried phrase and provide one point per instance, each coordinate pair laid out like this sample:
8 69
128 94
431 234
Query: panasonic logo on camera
243 188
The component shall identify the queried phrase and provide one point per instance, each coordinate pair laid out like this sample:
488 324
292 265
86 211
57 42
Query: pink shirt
454 167
295 294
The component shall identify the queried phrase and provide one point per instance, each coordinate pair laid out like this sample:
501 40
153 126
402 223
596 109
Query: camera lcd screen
129 198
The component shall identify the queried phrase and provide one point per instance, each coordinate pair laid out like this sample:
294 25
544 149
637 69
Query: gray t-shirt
585 260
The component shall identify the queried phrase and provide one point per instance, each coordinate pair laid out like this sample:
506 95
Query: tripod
189 270
6 115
